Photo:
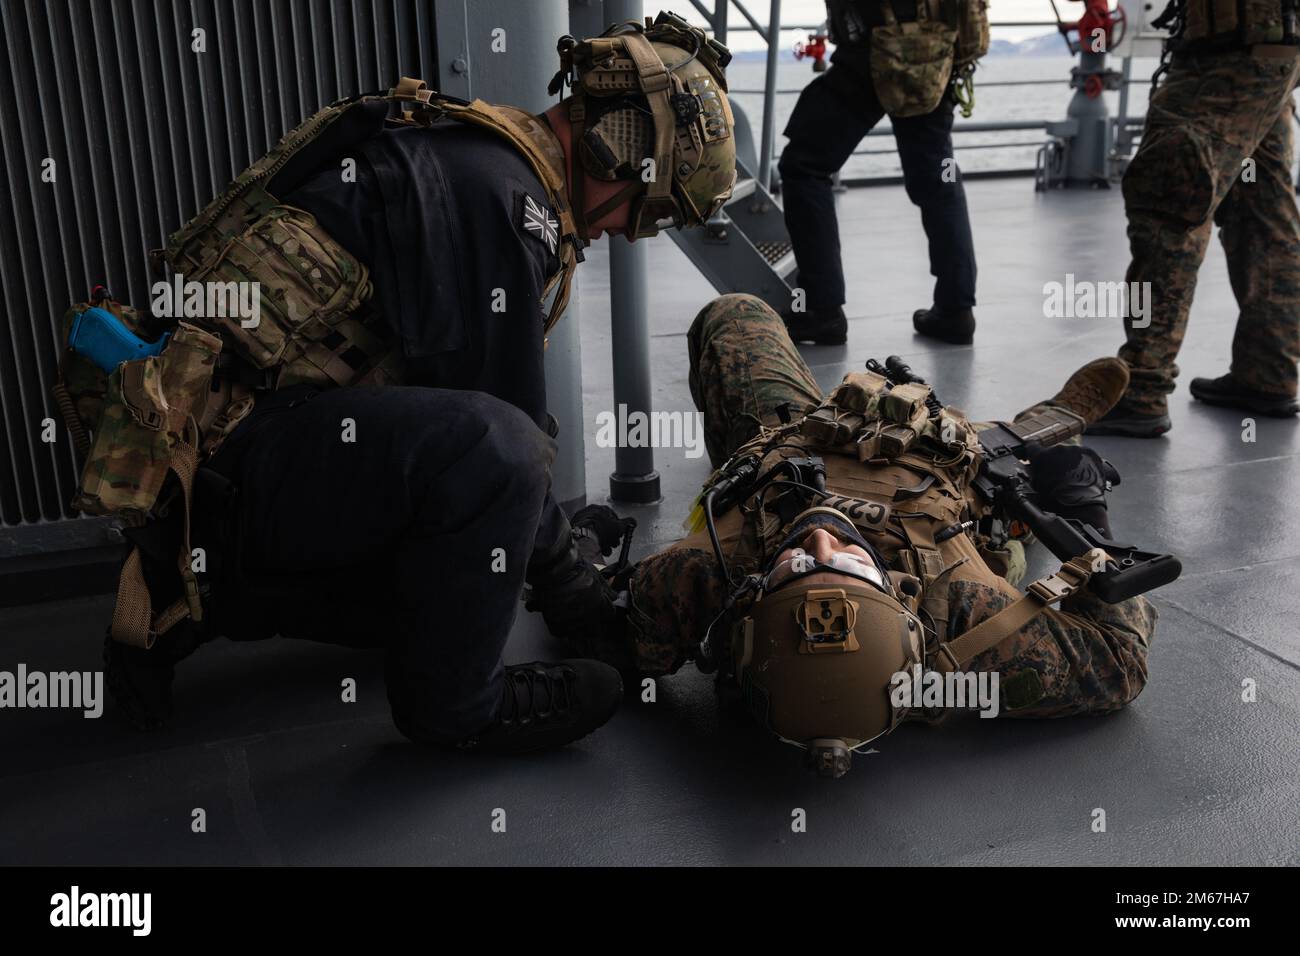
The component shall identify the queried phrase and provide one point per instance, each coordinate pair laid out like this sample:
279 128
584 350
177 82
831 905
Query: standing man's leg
1206 118
832 115
934 185
1259 226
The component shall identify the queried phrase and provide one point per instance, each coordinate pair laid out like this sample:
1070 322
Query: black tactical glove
598 530
578 604
1072 481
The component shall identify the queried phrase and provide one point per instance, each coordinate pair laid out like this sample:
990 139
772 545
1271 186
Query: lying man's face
851 562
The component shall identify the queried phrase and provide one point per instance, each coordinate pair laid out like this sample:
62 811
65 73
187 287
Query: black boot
955 328
1124 420
1225 391
549 705
820 326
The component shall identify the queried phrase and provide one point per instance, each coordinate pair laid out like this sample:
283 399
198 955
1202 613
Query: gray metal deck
1188 774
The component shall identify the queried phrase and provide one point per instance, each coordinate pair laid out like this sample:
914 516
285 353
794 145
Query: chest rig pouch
919 459
316 324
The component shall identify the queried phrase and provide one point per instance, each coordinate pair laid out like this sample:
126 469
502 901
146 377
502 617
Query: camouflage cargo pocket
911 64
147 409
307 284
972 31
1173 176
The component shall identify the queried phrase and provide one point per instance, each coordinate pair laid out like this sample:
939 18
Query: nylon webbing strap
501 121
133 620
656 87
957 653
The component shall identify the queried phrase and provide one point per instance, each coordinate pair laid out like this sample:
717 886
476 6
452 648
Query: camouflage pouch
972 19
911 63
82 386
149 407
307 286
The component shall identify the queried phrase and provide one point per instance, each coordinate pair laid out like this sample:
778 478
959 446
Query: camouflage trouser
1217 149
743 368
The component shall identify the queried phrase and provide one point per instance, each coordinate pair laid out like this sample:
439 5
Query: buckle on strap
1072 576
949 663
411 88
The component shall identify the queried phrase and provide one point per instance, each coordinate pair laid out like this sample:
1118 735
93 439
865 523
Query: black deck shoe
1225 391
549 705
1123 420
819 326
955 328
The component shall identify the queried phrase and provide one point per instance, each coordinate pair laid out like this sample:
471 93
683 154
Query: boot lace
536 694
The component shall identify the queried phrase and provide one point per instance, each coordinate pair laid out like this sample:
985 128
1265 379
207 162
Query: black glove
599 530
578 604
1072 481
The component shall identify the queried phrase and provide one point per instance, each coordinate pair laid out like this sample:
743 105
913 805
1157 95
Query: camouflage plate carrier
164 414
899 466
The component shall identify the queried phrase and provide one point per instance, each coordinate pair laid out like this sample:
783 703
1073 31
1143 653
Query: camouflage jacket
1089 656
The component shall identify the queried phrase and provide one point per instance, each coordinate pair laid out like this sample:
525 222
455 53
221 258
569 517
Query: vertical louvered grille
143 132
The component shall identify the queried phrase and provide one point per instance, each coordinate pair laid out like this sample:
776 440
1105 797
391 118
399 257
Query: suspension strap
959 652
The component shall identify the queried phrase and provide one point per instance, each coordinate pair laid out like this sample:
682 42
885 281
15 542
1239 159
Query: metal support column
634 480
514 67
769 95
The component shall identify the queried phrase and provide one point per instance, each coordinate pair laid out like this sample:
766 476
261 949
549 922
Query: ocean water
992 151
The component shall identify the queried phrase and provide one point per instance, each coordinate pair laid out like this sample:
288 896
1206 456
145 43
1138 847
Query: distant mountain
1049 44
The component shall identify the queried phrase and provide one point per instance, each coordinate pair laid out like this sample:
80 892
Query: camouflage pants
1217 149
743 368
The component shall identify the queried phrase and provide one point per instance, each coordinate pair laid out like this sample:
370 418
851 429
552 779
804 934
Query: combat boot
549 705
1093 390
1227 392
1125 420
955 328
819 326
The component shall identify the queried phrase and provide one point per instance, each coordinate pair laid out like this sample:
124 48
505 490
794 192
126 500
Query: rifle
1004 481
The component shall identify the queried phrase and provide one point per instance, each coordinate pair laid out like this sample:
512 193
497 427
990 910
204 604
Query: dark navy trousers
414 536
835 111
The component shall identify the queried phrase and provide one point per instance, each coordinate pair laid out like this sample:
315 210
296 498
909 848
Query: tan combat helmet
656 91
814 660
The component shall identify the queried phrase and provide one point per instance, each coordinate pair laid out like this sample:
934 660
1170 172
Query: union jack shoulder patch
537 220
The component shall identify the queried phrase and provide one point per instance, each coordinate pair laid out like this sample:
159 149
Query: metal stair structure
745 248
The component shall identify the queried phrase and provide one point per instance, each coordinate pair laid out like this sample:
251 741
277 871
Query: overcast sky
814 11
